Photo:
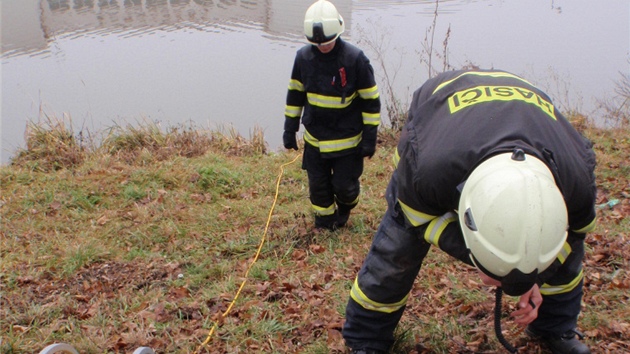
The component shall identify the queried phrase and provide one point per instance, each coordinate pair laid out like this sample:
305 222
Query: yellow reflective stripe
361 299
332 145
354 202
547 289
477 73
415 217
369 93
311 139
371 118
396 158
436 227
296 85
340 144
324 211
485 93
588 228
329 101
564 252
293 111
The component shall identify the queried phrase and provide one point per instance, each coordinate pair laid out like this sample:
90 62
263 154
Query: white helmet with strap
322 23
513 218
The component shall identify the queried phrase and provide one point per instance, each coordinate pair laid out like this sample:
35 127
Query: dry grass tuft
617 109
50 146
53 144
230 142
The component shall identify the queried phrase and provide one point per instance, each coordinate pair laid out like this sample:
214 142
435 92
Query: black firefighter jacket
335 96
460 118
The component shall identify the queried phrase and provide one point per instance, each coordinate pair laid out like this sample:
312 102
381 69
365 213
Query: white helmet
513 218
322 23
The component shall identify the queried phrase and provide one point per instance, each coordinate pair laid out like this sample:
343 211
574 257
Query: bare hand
528 303
528 306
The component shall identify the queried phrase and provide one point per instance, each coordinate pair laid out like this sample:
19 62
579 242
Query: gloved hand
289 140
368 149
368 141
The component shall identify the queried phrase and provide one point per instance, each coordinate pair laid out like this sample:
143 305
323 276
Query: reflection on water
211 62
58 18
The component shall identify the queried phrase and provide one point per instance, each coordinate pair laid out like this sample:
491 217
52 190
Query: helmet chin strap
497 321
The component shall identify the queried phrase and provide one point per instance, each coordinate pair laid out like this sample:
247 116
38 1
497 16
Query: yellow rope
262 242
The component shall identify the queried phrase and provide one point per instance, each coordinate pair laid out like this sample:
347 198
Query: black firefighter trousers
332 181
392 264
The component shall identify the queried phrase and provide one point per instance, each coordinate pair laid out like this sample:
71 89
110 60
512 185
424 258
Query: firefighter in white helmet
491 173
323 24
333 93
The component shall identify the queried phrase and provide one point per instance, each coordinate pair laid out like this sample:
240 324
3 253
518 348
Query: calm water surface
221 63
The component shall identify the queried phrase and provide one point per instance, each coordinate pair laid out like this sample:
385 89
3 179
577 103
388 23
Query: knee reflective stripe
352 203
588 228
416 218
436 227
547 289
564 252
324 211
361 299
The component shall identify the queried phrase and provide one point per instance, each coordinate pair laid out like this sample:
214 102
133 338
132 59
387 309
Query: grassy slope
120 251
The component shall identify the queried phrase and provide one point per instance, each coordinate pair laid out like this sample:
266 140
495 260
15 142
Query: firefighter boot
567 343
344 214
328 222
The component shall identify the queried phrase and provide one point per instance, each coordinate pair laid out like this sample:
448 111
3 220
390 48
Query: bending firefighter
333 91
491 173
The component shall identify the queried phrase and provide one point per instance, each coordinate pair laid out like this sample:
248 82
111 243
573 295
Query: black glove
368 149
289 141
368 141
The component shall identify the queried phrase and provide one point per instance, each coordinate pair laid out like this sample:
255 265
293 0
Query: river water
226 63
